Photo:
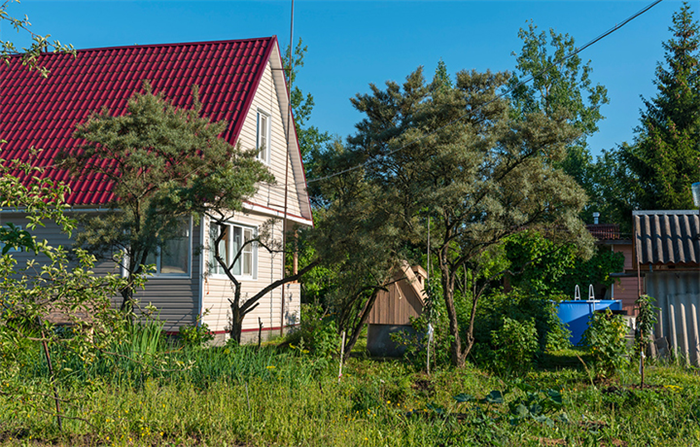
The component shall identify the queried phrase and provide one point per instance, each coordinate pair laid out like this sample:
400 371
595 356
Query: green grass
245 397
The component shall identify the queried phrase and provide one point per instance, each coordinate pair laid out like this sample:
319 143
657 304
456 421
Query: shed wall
678 296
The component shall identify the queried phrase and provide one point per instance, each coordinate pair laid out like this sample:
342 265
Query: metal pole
286 165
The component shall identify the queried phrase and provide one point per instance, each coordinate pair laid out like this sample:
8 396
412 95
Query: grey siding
176 298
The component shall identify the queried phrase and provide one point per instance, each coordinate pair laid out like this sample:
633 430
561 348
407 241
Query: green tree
355 240
163 163
560 88
664 158
42 286
462 157
543 267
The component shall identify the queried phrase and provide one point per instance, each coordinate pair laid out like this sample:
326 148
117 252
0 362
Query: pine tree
665 157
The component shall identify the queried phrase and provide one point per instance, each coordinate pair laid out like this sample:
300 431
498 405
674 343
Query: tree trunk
458 358
355 331
237 315
127 307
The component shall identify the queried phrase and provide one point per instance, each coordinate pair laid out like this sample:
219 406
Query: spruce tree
665 157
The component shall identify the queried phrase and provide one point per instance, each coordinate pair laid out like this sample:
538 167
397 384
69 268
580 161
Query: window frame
158 257
215 270
265 155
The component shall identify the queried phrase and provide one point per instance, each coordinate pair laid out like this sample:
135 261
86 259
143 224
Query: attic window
263 137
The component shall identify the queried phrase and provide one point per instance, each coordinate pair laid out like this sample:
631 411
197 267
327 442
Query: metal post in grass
342 356
430 339
52 378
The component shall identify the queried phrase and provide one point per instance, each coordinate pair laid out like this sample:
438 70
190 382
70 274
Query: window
173 257
233 242
263 137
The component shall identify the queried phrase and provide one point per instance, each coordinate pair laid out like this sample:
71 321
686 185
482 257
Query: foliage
647 314
516 344
561 88
356 239
605 337
195 336
536 405
415 344
664 158
40 44
317 334
526 309
540 265
456 155
270 397
164 164
52 301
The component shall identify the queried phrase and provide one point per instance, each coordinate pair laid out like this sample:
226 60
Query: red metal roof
43 112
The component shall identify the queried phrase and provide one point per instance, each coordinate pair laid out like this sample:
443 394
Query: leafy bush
521 307
646 319
434 313
195 336
516 345
605 337
317 333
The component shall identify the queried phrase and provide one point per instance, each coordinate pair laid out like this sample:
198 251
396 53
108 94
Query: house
241 82
667 260
624 288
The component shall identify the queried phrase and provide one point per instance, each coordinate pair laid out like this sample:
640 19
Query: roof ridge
157 45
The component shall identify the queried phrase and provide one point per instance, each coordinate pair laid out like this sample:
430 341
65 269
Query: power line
499 96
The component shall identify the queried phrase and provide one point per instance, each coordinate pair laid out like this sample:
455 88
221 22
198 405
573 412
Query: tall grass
245 396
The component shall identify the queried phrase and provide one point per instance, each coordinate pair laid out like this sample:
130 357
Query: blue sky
352 44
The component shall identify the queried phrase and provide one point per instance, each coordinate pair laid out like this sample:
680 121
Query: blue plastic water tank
577 313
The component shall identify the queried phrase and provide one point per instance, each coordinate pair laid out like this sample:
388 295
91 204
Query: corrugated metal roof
667 237
43 112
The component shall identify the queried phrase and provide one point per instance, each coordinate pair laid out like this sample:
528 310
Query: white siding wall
266 100
218 289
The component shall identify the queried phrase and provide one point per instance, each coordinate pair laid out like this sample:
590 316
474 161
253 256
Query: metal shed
667 254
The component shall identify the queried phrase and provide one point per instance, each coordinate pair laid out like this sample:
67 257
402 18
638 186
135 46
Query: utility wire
499 96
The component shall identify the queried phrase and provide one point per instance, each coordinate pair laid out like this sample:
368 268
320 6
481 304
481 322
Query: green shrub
519 306
605 337
434 313
516 345
195 336
317 333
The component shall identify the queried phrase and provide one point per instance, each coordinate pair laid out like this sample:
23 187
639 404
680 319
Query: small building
667 260
625 286
393 309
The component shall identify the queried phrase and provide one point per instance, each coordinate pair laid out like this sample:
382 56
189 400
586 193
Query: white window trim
157 274
267 133
254 245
